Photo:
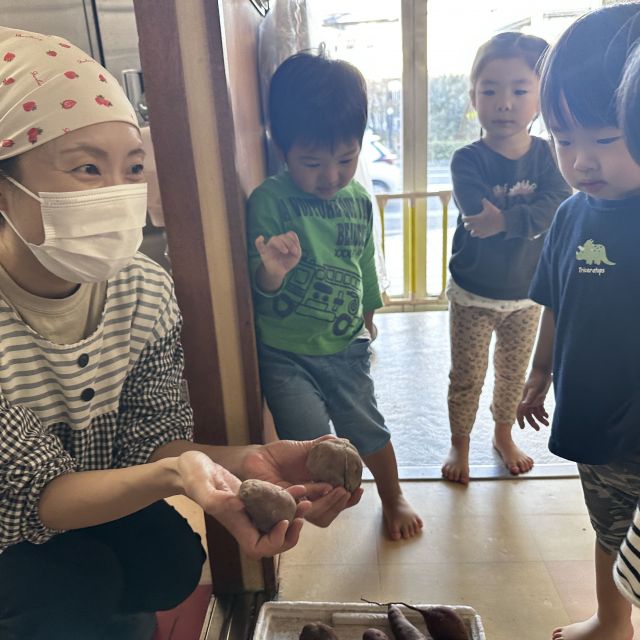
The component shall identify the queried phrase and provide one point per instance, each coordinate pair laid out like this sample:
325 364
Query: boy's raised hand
489 222
280 253
531 407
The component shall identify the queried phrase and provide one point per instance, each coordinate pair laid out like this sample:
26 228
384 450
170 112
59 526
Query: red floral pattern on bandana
49 87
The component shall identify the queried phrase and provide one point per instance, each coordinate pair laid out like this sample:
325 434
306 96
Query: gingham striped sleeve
30 457
153 410
626 571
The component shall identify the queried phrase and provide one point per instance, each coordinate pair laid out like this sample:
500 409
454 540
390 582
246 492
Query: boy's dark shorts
611 493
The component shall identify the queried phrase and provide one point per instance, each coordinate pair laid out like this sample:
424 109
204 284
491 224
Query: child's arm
368 323
530 219
371 298
469 185
481 218
531 407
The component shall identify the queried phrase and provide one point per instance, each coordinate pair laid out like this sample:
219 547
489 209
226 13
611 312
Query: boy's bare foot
456 466
593 629
400 519
514 458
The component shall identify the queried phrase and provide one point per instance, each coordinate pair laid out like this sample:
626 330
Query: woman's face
100 155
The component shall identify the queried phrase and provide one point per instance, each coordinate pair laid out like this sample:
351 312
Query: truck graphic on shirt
593 253
322 292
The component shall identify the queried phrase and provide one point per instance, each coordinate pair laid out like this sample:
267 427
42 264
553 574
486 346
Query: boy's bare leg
612 621
456 466
400 520
514 458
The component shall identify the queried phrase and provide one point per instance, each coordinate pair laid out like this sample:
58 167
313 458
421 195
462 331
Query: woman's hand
531 407
215 490
284 463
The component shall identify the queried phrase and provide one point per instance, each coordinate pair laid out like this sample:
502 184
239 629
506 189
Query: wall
241 22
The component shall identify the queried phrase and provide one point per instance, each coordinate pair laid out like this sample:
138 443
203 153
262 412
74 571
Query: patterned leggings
470 334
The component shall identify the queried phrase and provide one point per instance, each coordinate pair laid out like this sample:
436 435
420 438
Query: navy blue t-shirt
589 276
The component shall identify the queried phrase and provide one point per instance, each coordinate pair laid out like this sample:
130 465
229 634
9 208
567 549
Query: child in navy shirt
588 282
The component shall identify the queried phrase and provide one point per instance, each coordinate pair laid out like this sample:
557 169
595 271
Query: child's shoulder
274 185
356 190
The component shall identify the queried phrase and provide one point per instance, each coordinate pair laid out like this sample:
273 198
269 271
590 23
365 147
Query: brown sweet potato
337 462
374 634
317 631
401 627
443 623
266 503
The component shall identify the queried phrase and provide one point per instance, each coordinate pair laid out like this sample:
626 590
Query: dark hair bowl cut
317 102
628 104
581 72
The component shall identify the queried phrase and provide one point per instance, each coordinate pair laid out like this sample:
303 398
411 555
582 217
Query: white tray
283 620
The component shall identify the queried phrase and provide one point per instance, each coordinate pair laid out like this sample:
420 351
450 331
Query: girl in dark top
507 188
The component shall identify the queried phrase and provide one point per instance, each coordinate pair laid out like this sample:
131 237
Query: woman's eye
520 92
488 92
311 166
562 143
137 169
89 169
346 161
610 140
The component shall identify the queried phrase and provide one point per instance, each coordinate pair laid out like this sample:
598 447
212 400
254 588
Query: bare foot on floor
514 458
592 629
456 466
401 521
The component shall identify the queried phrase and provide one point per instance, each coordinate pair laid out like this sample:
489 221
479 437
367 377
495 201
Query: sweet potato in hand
266 504
337 462
317 631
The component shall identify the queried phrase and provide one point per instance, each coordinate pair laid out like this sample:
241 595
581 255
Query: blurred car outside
382 164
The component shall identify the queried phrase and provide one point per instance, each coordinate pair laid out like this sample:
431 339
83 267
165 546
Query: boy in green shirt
311 257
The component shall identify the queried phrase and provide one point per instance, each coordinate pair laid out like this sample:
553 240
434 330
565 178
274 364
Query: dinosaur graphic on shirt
593 253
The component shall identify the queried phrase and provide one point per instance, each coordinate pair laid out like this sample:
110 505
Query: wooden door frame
164 55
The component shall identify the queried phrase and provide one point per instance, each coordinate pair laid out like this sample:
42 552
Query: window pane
369 36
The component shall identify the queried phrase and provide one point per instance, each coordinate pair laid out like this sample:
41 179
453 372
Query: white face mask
89 235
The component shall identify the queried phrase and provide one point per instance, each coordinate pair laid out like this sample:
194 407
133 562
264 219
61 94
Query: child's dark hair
581 72
317 102
509 44
629 104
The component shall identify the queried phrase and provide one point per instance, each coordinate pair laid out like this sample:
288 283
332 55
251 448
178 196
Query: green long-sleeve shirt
319 308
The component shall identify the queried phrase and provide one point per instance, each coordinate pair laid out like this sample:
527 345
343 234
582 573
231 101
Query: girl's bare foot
514 458
593 629
400 519
456 466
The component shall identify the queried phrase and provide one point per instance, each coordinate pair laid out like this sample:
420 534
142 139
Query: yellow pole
412 261
445 237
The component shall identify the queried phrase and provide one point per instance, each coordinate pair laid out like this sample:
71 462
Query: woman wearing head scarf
94 430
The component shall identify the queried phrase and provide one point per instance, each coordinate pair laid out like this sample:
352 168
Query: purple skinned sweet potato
443 623
402 629
317 631
374 634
